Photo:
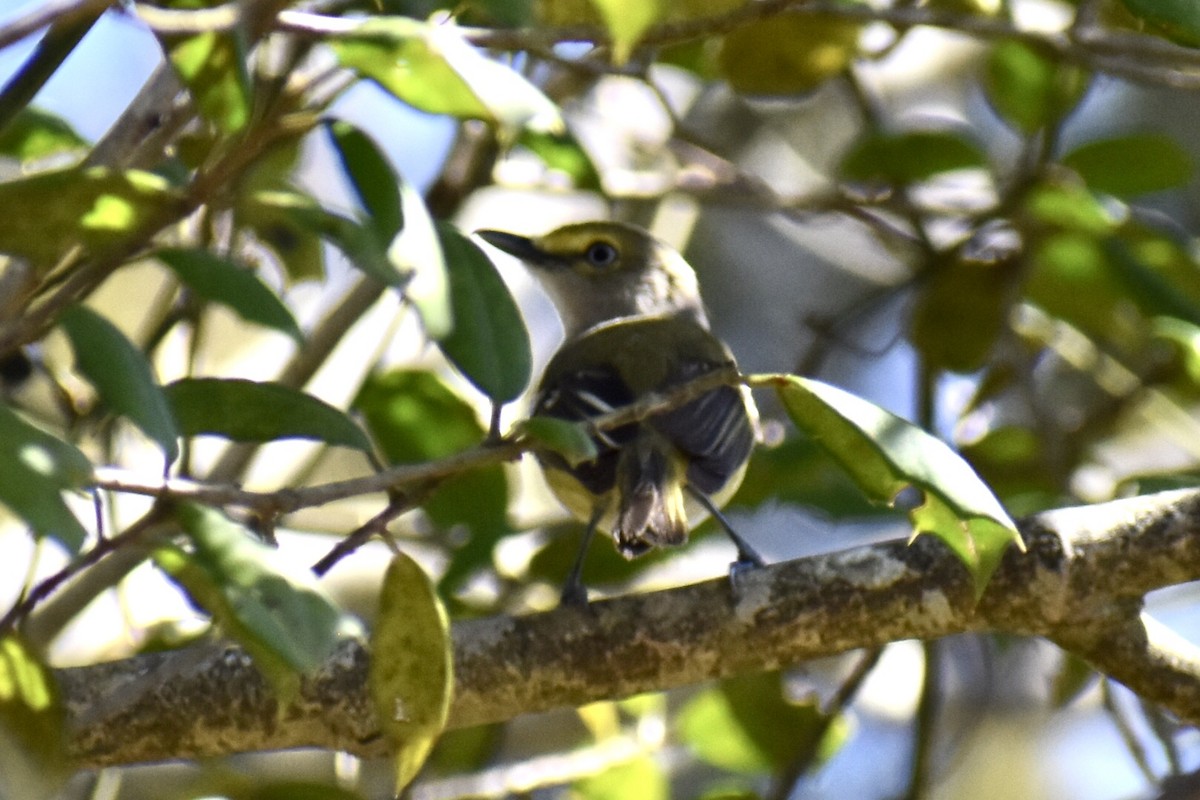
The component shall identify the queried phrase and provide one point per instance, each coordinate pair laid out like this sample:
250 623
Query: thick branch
1079 583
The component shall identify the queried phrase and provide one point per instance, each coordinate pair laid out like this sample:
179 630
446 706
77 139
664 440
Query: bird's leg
574 593
747 555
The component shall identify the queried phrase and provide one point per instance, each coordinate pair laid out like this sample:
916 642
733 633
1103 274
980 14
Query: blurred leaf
1178 19
34 134
1068 207
788 53
1186 337
801 472
466 749
489 343
1073 678
433 69
910 157
269 213
626 21
35 468
371 174
221 281
417 253
1156 288
93 207
603 565
33 743
213 68
563 153
569 439
1131 165
278 613
962 308
1030 89
640 777
286 790
253 411
884 454
121 375
414 417
411 677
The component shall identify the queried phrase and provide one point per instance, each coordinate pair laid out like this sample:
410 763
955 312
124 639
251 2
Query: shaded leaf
95 207
212 66
1131 165
433 69
34 134
569 439
884 454
35 468
220 280
962 309
910 157
253 411
269 213
121 375
371 174
1073 678
788 53
411 677
1178 19
489 343
626 21
33 740
1030 89
563 153
801 472
278 613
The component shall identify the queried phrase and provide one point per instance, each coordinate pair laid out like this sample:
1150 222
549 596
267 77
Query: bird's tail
650 485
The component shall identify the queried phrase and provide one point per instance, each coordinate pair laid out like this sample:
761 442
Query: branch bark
1080 583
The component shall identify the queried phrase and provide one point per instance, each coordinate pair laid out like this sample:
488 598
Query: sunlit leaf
212 66
33 741
121 375
489 343
640 777
372 177
34 134
884 454
253 411
35 468
1029 88
277 612
220 280
787 54
411 677
626 21
1131 165
417 253
910 157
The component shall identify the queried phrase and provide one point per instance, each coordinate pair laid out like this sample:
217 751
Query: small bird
635 325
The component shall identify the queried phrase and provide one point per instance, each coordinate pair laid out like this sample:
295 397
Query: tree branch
1079 583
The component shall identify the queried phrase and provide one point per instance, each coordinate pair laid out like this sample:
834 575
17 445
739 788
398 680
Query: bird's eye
601 254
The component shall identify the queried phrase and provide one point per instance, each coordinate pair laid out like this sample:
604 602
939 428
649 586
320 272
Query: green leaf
278 613
799 471
269 213
433 69
884 454
252 411
626 21
34 134
1178 19
411 678
787 54
121 375
33 741
962 309
569 439
414 417
93 207
640 777
563 153
372 177
213 67
35 468
1131 165
489 343
1028 88
417 253
910 157
1073 678
220 280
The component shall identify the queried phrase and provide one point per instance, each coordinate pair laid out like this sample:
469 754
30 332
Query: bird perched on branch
635 327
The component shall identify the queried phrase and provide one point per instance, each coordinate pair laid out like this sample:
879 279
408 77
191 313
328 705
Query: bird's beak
522 247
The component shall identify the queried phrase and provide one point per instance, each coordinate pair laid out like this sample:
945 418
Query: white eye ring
601 254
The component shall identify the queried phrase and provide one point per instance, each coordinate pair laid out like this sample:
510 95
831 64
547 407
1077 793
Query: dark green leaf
787 54
1029 88
34 134
220 280
94 207
35 468
962 309
411 676
252 411
1131 165
279 614
121 375
563 153
1073 678
33 741
213 67
884 454
910 157
489 343
372 176
568 439
1179 19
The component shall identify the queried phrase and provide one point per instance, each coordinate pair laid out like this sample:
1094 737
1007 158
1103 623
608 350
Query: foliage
1043 268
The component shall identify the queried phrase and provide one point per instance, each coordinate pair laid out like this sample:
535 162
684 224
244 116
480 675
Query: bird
635 326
